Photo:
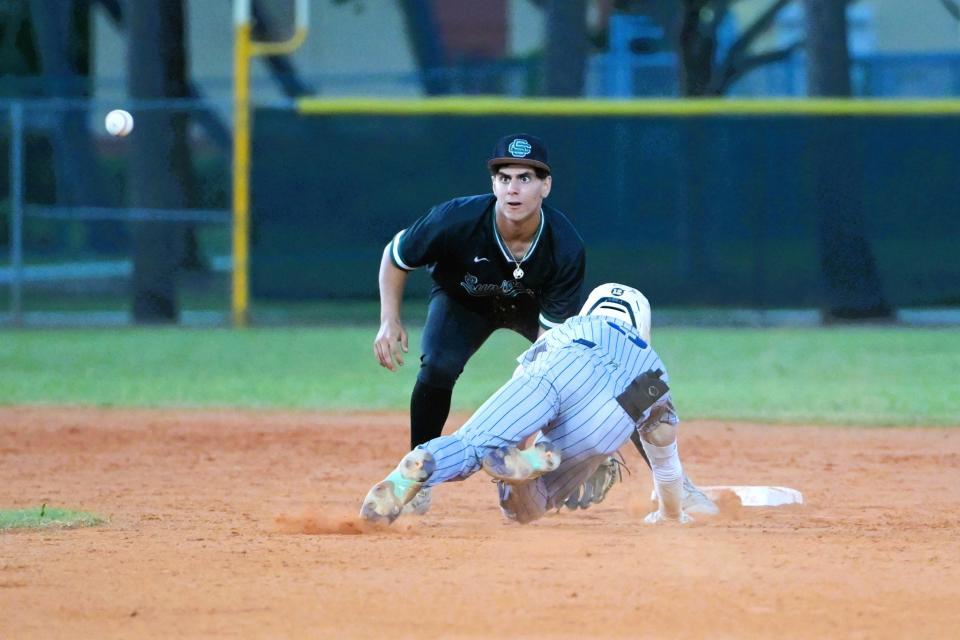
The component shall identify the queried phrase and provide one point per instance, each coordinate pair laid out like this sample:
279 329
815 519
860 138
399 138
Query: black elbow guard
642 393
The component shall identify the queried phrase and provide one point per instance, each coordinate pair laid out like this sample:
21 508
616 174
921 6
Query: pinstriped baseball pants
569 397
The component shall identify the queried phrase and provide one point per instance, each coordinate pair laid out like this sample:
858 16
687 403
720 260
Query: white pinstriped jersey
565 389
617 340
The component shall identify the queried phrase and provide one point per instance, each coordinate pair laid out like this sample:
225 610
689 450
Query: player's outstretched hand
390 344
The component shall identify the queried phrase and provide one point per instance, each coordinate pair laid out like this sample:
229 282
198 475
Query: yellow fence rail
485 105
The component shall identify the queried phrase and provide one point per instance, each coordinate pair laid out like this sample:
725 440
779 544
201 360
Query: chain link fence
88 221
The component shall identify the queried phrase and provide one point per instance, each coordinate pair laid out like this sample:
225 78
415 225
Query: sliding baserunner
581 390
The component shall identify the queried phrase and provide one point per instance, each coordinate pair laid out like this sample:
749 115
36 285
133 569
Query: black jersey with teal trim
460 245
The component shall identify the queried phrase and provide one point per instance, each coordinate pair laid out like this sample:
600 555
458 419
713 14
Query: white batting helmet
621 302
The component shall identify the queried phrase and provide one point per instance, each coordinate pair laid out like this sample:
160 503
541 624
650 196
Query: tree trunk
161 176
828 60
427 45
849 271
77 170
697 45
565 58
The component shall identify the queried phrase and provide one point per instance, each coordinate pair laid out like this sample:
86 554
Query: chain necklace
518 272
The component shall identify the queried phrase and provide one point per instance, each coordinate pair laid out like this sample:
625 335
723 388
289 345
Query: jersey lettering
507 288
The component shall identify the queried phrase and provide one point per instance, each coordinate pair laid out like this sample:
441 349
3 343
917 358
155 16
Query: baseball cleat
656 517
513 465
386 499
420 503
694 500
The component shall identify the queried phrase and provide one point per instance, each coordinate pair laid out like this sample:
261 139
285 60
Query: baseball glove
598 485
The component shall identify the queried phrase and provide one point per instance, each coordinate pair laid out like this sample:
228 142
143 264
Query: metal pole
241 163
244 48
16 210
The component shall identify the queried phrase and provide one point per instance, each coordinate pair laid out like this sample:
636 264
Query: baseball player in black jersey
500 260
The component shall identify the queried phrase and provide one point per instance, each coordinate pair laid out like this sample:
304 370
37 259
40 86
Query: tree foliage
705 73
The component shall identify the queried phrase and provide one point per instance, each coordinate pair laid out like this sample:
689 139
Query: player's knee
521 514
661 435
517 503
440 372
519 517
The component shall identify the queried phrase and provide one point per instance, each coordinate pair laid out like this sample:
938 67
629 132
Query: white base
757 495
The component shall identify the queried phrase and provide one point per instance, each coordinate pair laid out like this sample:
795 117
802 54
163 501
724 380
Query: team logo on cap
519 148
617 291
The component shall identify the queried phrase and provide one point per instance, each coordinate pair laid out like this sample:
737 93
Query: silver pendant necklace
518 272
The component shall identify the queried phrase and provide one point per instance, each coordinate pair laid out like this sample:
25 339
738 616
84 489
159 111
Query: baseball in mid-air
119 122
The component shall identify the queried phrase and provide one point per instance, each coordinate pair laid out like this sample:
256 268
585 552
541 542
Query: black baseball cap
519 148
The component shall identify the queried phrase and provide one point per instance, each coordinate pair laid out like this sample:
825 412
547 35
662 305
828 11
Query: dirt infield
241 525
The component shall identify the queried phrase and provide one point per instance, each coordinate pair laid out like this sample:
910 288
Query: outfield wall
712 202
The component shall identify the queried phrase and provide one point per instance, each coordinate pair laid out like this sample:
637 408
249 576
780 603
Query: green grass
872 376
880 376
46 517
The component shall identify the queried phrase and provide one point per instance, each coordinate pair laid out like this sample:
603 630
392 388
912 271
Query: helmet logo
617 291
519 148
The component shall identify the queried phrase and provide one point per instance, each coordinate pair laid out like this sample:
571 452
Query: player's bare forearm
392 283
391 341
